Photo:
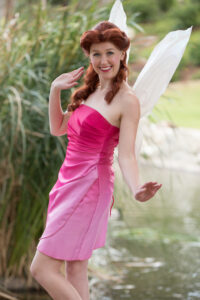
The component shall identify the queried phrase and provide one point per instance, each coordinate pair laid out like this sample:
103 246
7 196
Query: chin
106 75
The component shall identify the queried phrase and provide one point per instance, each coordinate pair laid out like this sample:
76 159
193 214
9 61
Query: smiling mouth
106 69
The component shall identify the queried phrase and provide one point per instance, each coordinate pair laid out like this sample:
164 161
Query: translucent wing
155 76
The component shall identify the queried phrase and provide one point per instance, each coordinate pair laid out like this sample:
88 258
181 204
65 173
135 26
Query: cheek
115 60
94 63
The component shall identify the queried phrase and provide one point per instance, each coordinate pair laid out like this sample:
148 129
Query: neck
104 87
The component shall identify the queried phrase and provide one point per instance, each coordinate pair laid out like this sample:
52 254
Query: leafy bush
165 5
186 14
194 51
149 10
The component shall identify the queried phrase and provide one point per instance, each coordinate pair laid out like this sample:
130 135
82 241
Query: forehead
102 46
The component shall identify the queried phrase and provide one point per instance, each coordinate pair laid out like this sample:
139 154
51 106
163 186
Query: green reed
36 46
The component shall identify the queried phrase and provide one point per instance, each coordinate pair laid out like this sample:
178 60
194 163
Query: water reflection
153 248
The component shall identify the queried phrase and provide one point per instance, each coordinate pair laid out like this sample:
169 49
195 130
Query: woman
103 113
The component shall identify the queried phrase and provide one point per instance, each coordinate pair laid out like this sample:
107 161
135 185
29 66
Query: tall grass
36 46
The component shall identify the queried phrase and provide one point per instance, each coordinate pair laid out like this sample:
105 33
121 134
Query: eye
110 52
96 54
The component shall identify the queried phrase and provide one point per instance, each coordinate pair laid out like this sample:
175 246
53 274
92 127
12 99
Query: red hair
103 32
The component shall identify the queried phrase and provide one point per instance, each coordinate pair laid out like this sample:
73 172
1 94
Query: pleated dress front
80 202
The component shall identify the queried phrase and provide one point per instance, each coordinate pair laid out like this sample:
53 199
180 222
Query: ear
122 55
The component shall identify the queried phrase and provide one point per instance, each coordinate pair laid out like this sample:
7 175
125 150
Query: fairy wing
155 76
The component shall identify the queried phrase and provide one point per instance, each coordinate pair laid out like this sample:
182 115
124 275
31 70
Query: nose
103 60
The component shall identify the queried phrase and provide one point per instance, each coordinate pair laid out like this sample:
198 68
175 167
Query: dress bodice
90 133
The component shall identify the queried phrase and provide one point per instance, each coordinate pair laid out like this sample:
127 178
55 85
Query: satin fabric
80 202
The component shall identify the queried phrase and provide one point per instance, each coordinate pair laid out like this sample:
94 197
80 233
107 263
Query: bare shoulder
129 102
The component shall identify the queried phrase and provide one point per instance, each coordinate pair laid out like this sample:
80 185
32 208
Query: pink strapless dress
80 202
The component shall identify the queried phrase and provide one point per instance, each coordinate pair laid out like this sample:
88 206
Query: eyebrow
106 49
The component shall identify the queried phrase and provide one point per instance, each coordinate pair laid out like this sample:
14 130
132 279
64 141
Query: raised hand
146 191
67 80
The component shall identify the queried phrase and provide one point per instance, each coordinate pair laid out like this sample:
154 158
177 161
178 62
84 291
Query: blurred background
152 249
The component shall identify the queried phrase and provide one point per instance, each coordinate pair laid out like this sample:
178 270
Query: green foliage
165 5
35 47
59 2
147 10
180 105
194 50
160 28
186 14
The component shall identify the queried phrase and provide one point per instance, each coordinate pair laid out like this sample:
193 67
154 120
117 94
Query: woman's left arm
130 117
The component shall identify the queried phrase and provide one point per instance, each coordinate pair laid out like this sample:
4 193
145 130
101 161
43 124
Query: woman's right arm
57 118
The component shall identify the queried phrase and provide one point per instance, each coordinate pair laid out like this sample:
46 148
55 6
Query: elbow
53 133
58 133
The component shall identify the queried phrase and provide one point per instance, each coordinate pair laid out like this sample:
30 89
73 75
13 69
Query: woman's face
105 59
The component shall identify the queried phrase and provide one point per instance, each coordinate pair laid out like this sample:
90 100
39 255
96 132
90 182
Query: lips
106 69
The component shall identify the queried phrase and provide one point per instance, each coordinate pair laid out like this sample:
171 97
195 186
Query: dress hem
69 259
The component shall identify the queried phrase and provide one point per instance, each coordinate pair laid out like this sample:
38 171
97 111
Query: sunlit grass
180 105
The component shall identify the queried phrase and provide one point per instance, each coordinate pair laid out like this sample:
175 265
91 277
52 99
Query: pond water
153 249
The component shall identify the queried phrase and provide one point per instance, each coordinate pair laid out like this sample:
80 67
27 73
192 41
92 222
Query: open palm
68 80
146 191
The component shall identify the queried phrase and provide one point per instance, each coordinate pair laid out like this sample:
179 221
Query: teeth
106 68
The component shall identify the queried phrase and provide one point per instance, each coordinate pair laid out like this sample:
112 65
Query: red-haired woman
102 114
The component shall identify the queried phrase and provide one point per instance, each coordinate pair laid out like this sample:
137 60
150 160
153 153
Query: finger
72 84
74 77
82 67
77 71
157 186
78 75
150 183
154 183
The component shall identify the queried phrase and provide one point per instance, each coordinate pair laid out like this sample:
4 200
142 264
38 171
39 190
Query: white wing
155 76
159 68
